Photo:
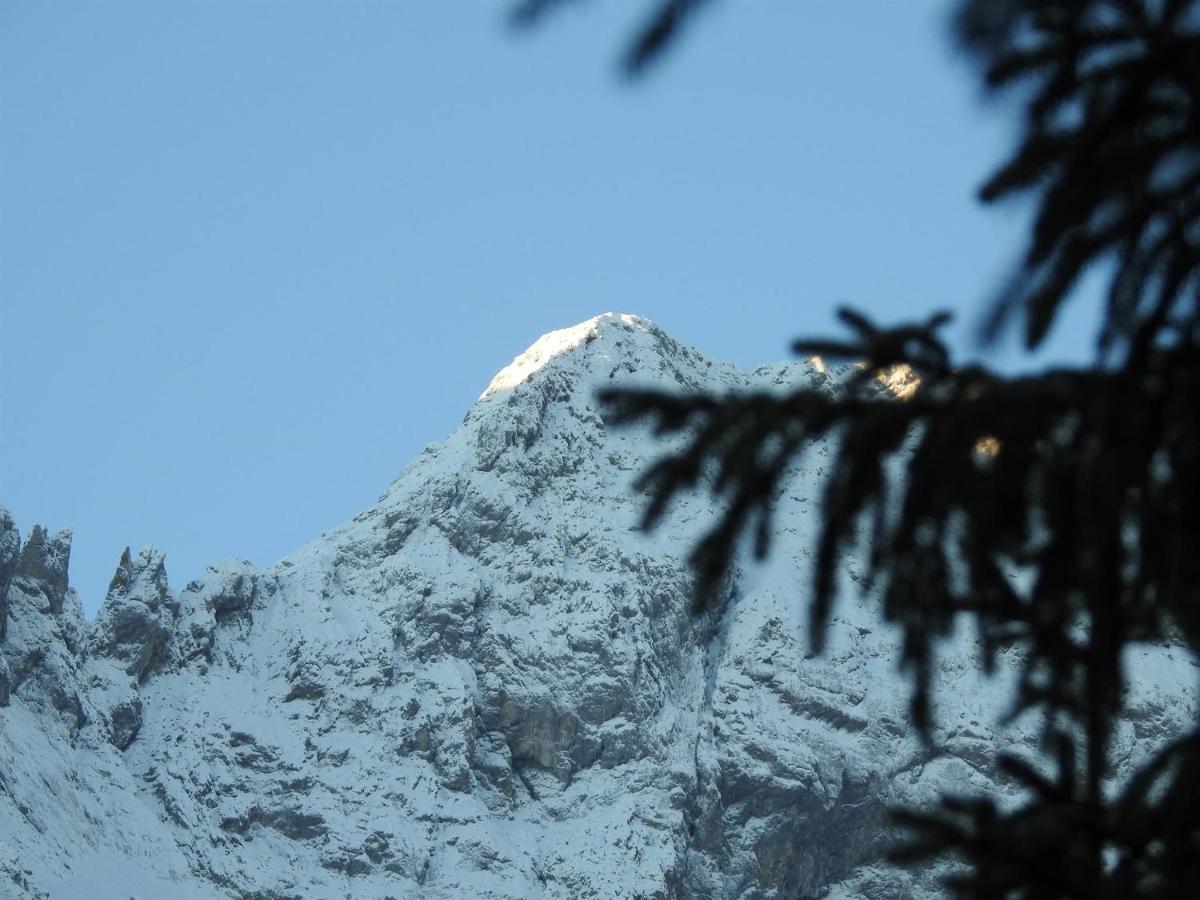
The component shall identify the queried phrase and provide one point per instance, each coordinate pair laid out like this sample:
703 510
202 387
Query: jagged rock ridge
486 685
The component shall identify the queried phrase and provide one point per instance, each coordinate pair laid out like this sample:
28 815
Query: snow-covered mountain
487 684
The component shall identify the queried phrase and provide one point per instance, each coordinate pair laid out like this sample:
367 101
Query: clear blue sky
255 255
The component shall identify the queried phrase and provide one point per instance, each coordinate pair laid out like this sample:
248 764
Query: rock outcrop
134 623
10 552
43 562
488 684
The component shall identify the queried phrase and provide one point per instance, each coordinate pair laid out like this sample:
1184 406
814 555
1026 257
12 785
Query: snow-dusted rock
10 552
41 648
488 684
133 625
44 562
224 594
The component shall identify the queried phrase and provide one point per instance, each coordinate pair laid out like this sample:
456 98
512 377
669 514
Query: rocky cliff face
486 685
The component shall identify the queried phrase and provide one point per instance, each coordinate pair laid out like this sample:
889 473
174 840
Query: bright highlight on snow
553 344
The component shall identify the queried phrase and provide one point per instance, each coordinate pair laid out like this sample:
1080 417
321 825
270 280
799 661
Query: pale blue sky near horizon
255 255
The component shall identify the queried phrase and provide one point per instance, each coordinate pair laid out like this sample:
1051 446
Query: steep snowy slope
486 685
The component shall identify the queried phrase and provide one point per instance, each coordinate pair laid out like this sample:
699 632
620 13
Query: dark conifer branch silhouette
1110 152
1083 482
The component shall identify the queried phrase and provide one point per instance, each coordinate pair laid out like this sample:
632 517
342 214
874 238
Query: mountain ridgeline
490 684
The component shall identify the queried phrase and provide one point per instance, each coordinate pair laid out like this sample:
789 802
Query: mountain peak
556 343
490 683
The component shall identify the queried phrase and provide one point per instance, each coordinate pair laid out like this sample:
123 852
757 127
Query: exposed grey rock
231 588
132 626
44 562
288 821
39 651
220 600
129 637
10 551
125 721
5 681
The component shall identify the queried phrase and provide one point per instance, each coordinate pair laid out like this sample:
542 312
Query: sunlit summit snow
553 344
